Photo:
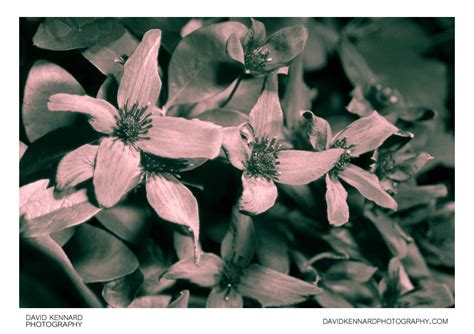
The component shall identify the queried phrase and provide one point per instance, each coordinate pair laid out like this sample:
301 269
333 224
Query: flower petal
228 298
302 167
266 116
117 171
366 133
175 137
318 131
336 199
272 288
174 202
368 185
239 242
408 164
76 166
205 274
285 44
234 49
103 114
235 147
255 36
141 82
258 195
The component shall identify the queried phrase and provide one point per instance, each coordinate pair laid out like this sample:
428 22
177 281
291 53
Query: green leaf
47 278
104 57
349 270
44 211
58 33
199 67
411 196
43 155
329 299
44 80
128 221
121 291
98 256
430 294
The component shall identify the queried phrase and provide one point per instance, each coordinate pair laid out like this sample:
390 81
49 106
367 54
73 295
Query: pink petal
272 288
224 298
258 195
76 166
302 167
102 114
174 202
117 171
336 199
368 185
175 137
141 82
239 243
266 116
366 133
318 131
234 49
235 147
205 274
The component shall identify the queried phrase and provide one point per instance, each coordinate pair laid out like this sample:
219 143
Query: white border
235 321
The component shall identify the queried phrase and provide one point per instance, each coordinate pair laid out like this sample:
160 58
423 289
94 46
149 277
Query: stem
231 95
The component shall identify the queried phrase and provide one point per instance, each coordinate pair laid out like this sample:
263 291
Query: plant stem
231 95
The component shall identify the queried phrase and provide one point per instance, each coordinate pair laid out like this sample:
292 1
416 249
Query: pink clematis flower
253 148
139 141
363 135
232 276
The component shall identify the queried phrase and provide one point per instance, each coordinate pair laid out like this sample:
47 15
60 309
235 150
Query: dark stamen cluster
381 97
230 276
345 158
155 164
133 124
264 159
256 60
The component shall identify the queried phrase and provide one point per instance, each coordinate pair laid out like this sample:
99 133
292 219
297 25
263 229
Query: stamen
255 60
385 164
264 159
159 165
345 158
133 123
230 276
381 97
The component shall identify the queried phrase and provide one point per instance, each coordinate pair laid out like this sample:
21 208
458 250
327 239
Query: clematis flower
395 162
253 148
363 135
259 55
139 142
232 276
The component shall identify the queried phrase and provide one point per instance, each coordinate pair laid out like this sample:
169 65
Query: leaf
121 291
44 211
58 33
105 57
349 270
46 79
409 197
98 256
46 152
127 221
322 40
329 299
199 67
430 294
47 278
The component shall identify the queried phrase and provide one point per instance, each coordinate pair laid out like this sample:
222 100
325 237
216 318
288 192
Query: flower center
158 165
255 60
344 159
231 275
264 159
133 124
381 97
